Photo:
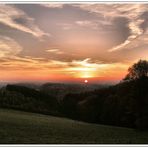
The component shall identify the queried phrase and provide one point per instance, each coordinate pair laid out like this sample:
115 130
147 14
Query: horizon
71 43
60 82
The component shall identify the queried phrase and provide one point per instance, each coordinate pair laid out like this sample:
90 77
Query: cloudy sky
71 42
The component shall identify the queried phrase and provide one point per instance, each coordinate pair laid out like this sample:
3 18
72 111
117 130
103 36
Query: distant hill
35 86
28 99
59 90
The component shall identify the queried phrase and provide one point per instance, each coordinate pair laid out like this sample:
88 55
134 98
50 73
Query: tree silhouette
137 70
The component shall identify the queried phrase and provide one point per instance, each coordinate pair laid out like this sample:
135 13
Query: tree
137 70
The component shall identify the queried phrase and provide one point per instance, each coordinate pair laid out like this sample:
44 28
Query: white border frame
68 2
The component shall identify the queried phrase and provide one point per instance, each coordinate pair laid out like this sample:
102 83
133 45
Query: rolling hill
18 127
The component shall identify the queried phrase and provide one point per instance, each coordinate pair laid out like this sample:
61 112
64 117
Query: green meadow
17 127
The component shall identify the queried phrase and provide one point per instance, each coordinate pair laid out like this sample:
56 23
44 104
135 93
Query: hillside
20 127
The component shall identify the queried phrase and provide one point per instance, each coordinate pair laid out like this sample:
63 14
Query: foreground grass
20 127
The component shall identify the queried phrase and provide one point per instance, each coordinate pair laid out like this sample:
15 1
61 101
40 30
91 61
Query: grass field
18 127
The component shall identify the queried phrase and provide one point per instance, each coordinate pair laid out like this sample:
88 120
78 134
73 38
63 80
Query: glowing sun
85 81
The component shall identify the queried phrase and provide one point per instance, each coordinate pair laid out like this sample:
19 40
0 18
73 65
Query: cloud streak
55 51
9 47
90 24
134 25
110 12
55 5
9 16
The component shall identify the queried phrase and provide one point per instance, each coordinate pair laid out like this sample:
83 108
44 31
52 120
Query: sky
70 42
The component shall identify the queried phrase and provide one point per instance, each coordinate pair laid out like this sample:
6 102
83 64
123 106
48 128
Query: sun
85 81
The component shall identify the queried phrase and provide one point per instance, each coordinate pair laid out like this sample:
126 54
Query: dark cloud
120 25
21 21
144 25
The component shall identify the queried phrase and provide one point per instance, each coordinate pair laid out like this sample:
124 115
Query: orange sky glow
71 42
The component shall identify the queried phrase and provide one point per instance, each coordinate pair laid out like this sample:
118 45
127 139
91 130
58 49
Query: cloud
18 19
55 51
28 63
89 64
86 23
87 68
54 5
132 12
9 47
66 26
60 53
136 31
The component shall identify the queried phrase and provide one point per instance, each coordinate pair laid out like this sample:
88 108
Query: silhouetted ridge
59 90
28 99
28 92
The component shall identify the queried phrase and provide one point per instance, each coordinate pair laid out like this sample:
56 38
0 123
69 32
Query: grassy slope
20 128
